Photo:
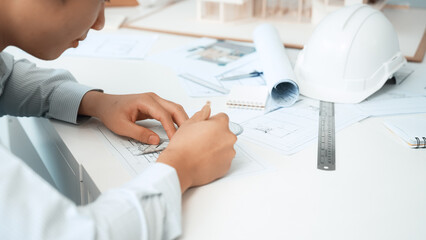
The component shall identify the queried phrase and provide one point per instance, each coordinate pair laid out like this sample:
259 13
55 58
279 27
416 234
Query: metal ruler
204 83
326 137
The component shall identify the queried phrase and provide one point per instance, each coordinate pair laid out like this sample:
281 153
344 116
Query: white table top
377 192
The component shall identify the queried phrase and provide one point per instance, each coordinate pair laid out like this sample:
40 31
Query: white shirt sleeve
148 207
27 90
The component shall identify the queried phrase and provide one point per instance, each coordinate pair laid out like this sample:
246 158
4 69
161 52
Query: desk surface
377 192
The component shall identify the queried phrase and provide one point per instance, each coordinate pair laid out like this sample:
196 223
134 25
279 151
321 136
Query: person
147 207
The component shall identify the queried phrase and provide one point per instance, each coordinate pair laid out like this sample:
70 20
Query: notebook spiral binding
419 142
245 105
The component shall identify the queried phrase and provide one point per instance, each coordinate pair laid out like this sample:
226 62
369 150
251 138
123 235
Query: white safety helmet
350 55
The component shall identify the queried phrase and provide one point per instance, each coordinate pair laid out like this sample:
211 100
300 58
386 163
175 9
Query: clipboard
122 3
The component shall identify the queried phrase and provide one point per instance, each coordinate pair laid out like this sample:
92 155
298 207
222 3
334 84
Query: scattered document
206 55
245 163
401 98
410 129
135 159
289 130
113 45
400 103
201 64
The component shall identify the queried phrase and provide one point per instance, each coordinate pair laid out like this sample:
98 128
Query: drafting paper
289 130
130 153
206 59
110 45
277 69
197 59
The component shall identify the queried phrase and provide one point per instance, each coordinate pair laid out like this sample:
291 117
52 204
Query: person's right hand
201 150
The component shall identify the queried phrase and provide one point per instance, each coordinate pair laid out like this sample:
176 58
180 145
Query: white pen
242 76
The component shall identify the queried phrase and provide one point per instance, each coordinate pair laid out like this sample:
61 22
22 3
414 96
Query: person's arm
200 151
28 90
31 91
148 207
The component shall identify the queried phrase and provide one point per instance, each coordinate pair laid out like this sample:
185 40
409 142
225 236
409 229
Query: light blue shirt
148 207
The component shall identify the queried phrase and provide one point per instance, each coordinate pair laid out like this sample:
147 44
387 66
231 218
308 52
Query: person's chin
51 55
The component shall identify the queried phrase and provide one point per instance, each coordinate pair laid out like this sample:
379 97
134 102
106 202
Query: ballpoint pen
241 76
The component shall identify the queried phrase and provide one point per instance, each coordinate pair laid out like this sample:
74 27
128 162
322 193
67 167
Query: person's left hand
120 112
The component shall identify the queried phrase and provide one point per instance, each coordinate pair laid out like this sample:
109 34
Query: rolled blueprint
277 69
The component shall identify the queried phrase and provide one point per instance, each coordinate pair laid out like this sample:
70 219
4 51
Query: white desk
377 192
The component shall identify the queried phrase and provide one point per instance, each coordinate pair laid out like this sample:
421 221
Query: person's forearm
147 206
33 91
173 159
90 105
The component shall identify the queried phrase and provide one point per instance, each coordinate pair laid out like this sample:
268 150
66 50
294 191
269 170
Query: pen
241 76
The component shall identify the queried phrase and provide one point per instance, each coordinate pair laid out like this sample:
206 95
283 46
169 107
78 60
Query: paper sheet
409 96
277 69
207 59
110 45
289 130
187 60
397 103
129 152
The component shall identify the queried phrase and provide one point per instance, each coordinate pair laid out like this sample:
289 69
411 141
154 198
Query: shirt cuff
164 179
66 99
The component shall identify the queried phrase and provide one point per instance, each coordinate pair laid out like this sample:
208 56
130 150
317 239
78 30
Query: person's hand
201 150
120 112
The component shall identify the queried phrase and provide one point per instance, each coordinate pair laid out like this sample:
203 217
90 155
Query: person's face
48 27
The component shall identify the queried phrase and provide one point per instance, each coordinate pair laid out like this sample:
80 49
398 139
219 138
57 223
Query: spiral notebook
411 129
248 97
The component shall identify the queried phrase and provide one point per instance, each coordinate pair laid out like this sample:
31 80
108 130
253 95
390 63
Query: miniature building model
293 9
298 10
224 10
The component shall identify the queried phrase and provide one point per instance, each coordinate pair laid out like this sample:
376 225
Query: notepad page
408 128
252 97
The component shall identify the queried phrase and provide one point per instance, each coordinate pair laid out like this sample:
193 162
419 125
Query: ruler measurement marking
326 137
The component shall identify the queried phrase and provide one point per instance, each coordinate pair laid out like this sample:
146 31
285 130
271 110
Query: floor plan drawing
289 130
135 156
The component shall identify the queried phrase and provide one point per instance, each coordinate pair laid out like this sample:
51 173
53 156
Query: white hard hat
350 55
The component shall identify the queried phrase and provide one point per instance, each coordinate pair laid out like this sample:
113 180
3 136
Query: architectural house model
289 10
224 10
